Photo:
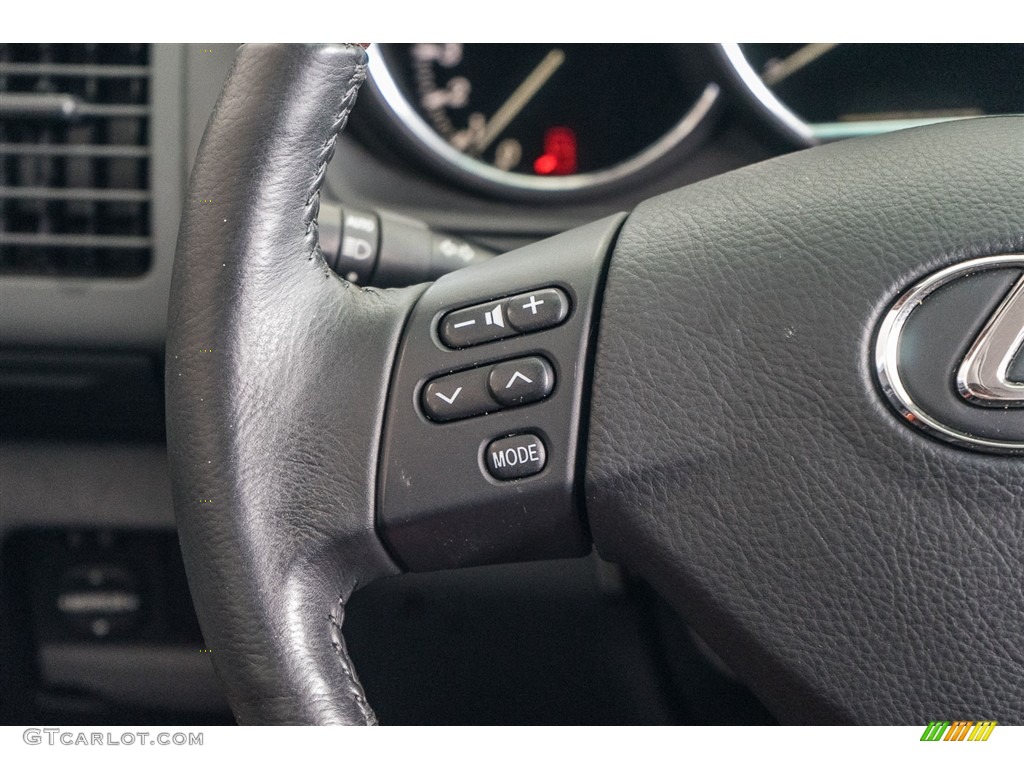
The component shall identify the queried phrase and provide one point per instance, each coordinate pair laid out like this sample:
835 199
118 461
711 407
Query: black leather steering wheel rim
273 472
849 569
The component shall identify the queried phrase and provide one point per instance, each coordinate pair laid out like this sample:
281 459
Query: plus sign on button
537 310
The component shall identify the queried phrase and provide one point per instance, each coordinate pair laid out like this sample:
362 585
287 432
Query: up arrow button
517 382
518 376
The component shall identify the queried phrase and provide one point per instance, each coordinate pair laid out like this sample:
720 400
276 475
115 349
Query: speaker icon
494 317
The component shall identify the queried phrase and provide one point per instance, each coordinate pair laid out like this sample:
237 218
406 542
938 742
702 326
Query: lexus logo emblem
950 354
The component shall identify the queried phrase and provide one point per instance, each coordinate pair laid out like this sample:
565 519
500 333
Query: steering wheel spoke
482 443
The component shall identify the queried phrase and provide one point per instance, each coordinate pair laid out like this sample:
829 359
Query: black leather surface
276 376
849 568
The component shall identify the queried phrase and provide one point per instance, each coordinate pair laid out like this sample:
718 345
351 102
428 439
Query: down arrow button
517 382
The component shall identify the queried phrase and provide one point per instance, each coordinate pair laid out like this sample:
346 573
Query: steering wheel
724 393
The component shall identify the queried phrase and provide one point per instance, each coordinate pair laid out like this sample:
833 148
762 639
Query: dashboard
494 146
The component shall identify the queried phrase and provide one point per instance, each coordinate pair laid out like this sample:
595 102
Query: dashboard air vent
74 160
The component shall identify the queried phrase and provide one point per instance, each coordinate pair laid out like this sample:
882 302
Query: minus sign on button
464 323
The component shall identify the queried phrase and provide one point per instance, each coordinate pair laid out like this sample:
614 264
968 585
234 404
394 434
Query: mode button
511 458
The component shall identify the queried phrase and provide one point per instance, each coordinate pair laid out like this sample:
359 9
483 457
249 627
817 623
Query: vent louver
75 183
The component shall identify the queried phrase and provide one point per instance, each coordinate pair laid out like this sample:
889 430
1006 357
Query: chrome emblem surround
982 377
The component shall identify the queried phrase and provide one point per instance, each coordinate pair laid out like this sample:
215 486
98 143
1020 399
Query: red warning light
559 158
545 164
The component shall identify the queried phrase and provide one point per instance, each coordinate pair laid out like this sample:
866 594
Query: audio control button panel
480 452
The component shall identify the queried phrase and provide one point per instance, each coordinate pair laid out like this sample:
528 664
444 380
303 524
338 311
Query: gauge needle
777 71
520 98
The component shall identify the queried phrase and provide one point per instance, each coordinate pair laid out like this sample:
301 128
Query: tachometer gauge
825 91
542 119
